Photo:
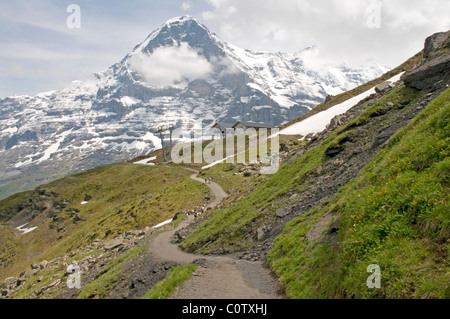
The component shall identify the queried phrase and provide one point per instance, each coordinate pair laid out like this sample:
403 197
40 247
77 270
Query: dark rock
429 73
178 215
283 212
336 121
35 266
435 42
383 87
284 148
333 151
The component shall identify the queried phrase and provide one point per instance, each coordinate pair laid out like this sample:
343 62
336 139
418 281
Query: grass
9 247
124 197
165 288
232 228
109 278
394 214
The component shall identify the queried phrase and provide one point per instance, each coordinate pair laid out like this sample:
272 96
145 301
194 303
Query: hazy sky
39 52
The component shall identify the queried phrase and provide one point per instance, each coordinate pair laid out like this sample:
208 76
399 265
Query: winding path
217 277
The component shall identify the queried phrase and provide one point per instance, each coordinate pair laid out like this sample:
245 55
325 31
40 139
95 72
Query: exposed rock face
436 67
428 74
436 42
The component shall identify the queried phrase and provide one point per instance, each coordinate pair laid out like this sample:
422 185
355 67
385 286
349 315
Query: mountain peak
181 20
174 31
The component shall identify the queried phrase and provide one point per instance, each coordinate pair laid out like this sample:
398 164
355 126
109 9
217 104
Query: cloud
186 5
170 66
34 34
339 28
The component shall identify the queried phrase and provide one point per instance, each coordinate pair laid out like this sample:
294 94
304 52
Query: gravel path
217 277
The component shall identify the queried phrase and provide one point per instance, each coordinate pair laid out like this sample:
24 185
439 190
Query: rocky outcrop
436 67
435 43
430 73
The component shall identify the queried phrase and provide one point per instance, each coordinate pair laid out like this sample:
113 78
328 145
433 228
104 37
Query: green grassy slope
232 228
394 214
124 197
413 190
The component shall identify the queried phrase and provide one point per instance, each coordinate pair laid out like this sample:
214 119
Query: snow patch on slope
318 122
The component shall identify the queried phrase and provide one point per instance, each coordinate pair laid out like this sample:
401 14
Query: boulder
284 148
247 173
112 244
43 264
428 74
336 121
10 283
35 266
6 293
333 151
178 215
283 212
435 43
383 87
328 98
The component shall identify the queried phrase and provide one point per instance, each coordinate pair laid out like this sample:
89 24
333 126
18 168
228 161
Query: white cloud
186 5
171 66
408 20
34 36
338 27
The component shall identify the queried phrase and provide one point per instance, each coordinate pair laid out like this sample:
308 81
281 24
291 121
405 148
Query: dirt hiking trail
217 277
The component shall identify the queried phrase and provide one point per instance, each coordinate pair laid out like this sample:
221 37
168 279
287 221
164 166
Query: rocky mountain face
180 75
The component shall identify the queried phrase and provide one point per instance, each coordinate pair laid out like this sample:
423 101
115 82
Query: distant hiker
206 180
210 179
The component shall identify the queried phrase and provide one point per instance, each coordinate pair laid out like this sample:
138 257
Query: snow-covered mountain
180 74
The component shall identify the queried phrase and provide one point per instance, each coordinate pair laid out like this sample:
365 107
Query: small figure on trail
206 180
210 179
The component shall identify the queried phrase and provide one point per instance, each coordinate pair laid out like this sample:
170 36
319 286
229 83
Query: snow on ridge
146 161
163 223
25 230
318 122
